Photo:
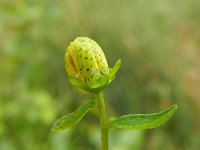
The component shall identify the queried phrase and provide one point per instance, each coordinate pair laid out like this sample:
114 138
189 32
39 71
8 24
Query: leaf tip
118 63
53 129
174 107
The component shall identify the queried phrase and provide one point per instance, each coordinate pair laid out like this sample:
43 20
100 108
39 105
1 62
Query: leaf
115 69
72 118
143 121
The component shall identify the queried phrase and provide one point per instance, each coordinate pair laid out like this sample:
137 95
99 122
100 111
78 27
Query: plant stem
103 121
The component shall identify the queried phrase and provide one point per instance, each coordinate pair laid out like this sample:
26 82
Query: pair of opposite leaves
87 69
133 121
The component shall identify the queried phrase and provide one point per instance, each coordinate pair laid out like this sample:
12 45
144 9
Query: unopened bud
86 61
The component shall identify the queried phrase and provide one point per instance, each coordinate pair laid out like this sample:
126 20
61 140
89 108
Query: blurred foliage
158 42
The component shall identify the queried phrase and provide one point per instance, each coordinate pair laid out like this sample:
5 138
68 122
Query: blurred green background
158 42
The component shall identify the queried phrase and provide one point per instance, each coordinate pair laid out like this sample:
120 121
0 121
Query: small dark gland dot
88 79
88 69
80 56
85 57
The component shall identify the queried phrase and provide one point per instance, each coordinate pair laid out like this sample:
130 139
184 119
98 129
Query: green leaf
115 69
72 118
143 121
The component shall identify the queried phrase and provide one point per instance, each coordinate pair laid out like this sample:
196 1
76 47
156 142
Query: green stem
103 121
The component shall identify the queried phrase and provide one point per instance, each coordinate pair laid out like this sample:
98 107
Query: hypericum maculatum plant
87 68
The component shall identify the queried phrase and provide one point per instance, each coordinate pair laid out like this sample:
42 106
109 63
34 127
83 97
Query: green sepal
73 118
143 121
114 70
78 83
98 86
102 82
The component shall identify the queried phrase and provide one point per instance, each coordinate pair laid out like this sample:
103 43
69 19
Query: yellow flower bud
86 61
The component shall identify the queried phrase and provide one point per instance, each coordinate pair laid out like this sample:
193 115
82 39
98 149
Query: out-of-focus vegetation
158 42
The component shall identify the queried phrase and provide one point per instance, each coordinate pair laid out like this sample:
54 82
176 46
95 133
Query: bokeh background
158 42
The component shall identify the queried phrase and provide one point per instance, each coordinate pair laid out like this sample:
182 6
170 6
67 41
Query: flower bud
86 61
